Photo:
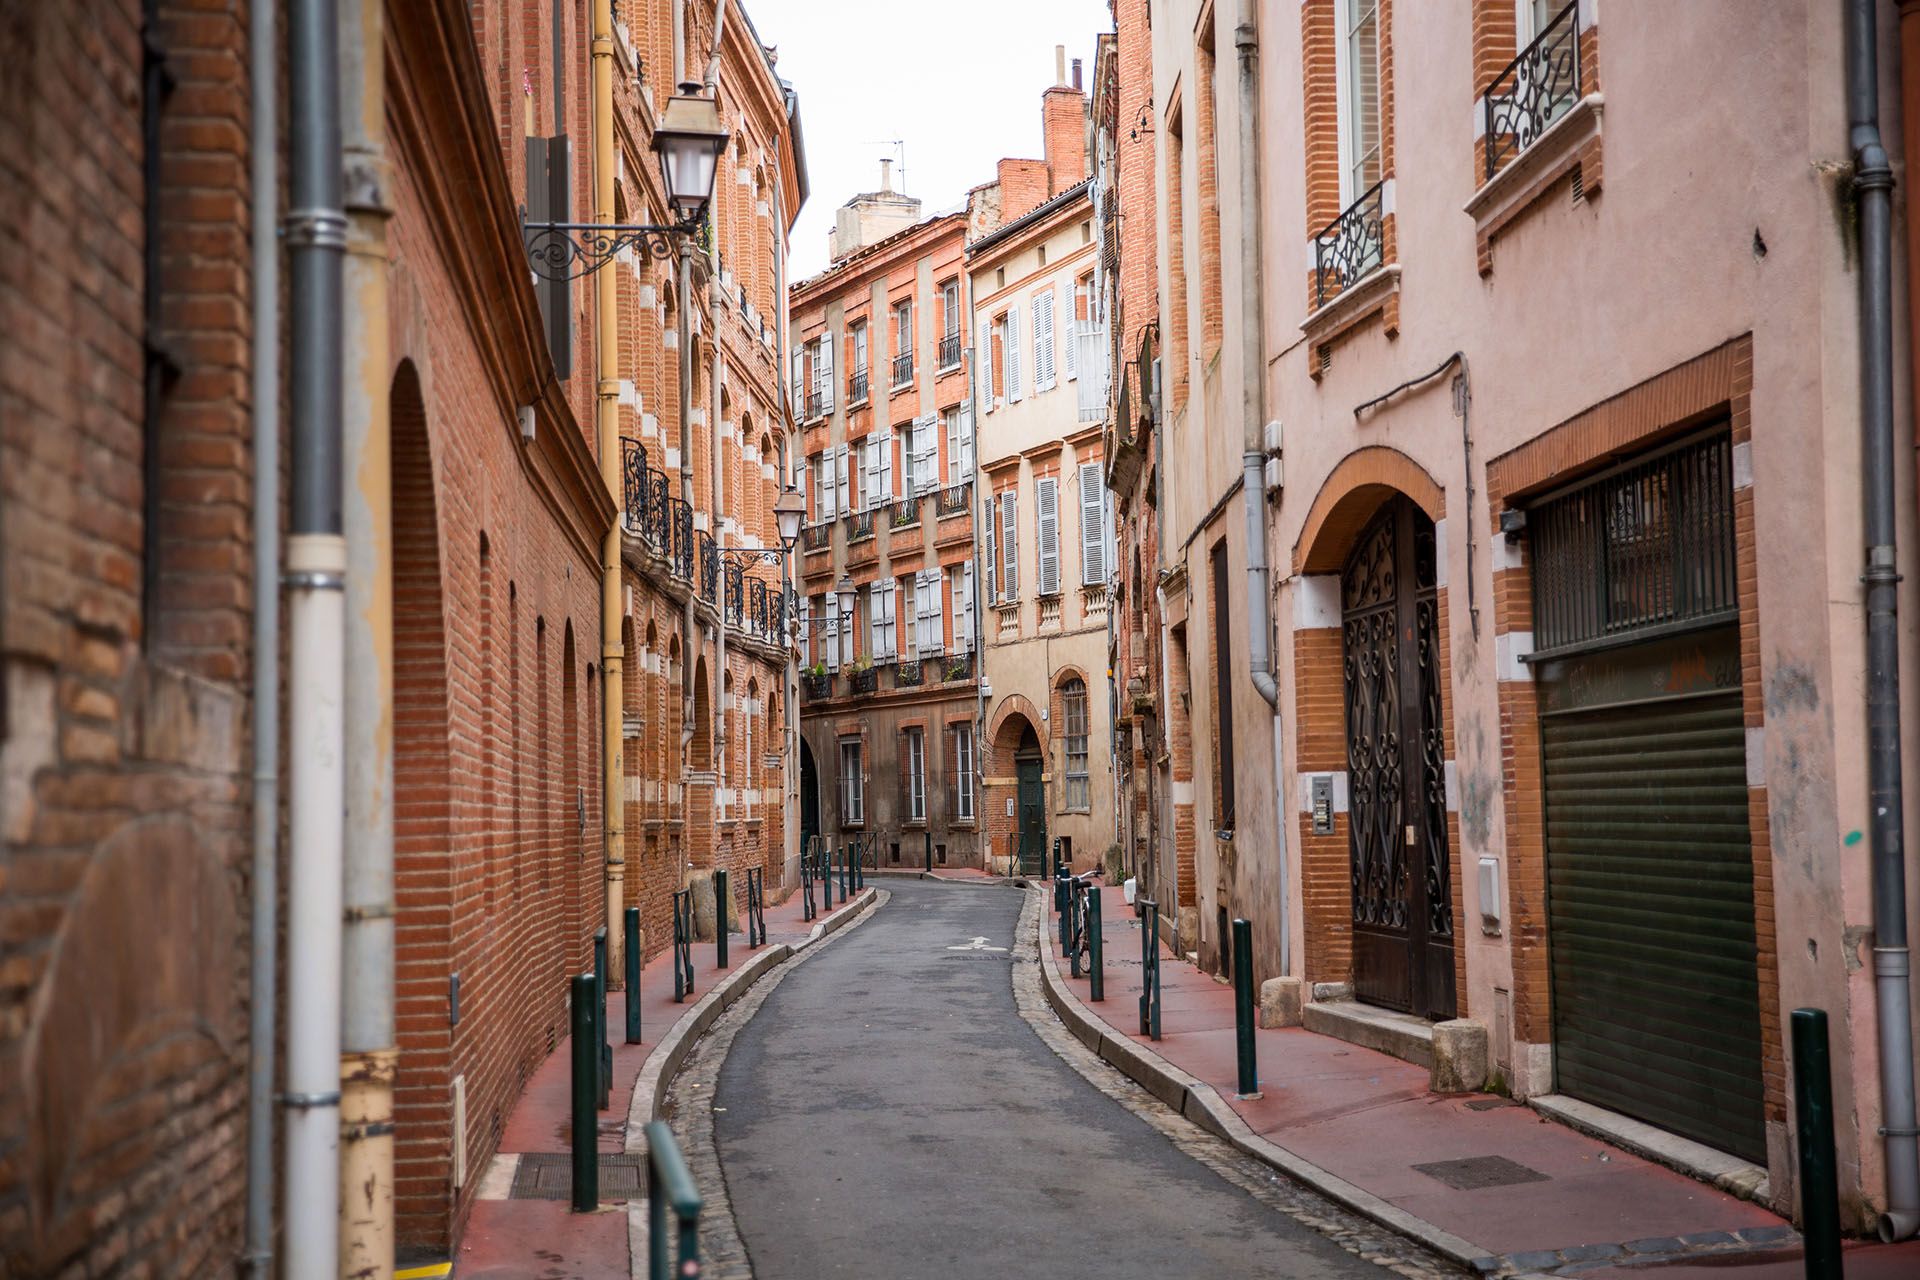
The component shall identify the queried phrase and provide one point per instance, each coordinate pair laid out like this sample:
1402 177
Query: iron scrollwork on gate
1374 761
1433 743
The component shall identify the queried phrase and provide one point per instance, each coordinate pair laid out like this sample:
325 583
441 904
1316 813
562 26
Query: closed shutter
1010 544
983 356
884 453
990 519
1011 345
1651 916
841 478
825 368
833 631
1043 340
877 621
806 489
926 462
1093 525
963 610
1074 325
1046 501
828 505
806 630
965 453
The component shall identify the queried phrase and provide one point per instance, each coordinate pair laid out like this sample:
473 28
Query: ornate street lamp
690 139
849 595
788 513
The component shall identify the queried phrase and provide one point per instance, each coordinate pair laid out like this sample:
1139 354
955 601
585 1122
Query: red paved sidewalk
1370 1119
505 1239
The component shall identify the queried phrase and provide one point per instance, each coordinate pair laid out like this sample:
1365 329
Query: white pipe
263 962
716 483
719 29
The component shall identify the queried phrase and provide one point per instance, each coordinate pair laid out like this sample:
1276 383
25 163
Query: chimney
1063 124
1059 64
1076 74
886 176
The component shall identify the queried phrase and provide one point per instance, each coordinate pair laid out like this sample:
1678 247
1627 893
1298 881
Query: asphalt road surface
889 1114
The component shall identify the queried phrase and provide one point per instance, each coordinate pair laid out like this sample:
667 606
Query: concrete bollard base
1280 1000
1459 1056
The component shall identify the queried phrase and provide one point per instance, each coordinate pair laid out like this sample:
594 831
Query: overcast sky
960 84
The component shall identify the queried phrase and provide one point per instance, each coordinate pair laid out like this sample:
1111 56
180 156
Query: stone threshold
1398 1035
1729 1173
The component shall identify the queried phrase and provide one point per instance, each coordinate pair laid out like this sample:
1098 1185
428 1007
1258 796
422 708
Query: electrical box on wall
1490 895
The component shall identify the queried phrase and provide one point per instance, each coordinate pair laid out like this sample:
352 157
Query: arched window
1073 729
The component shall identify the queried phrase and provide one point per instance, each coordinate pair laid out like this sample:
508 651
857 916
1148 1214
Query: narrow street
888 1112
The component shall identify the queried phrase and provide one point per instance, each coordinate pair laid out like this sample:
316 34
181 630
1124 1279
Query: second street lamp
788 513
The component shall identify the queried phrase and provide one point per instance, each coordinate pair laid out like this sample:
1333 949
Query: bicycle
1079 934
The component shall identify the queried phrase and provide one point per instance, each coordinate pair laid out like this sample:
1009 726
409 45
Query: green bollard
630 918
1062 902
720 904
586 1124
1819 1181
929 840
602 1050
1096 954
1243 1007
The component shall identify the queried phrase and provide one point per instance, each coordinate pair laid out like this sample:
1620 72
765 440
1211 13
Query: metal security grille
1643 550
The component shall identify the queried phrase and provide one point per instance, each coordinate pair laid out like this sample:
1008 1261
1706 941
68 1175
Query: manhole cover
550 1177
1489 1104
1480 1172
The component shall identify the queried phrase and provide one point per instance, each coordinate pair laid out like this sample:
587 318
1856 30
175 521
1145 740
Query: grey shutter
1010 543
1046 501
1093 525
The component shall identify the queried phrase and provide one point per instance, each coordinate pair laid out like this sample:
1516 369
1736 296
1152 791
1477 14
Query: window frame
853 794
1345 27
916 779
1076 795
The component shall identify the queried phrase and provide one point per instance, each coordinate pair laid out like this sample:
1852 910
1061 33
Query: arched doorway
809 797
1024 828
1396 765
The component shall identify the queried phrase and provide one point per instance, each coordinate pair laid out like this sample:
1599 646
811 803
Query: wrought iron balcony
865 682
736 579
957 666
680 528
816 405
954 500
906 513
709 566
1537 88
816 688
1351 246
860 525
903 368
760 609
906 673
633 484
950 351
817 537
857 387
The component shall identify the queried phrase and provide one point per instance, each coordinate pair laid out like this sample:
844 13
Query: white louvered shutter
826 375
829 504
963 445
963 610
892 621
1093 525
806 630
990 517
1046 500
1010 544
806 490
1011 344
1071 291
930 628
983 356
833 631
1042 341
926 453
874 449
841 478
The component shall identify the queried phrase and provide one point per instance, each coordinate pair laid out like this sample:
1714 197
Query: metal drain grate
1490 1104
1479 1173
550 1177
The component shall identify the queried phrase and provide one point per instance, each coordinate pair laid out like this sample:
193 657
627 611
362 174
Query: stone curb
650 1087
1202 1105
992 882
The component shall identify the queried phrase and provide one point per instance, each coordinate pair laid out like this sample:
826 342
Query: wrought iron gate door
1396 768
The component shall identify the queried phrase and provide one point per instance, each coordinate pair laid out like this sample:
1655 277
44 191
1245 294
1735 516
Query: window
960 757
1073 728
853 784
857 374
1082 314
878 464
1046 517
960 593
1043 341
1359 82
1009 544
903 343
1222 690
928 636
1094 514
959 422
881 607
950 324
913 774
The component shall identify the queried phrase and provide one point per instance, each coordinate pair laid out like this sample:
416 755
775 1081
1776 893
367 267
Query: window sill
955 367
1359 301
1569 143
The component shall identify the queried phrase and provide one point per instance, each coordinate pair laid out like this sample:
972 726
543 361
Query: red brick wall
123 798
1023 187
1063 113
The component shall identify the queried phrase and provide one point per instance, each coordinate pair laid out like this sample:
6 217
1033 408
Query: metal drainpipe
316 235
686 495
717 485
1253 411
613 815
1873 186
790 790
369 1053
712 80
263 54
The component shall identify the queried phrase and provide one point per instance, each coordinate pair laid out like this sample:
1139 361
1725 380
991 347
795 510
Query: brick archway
1011 722
1363 482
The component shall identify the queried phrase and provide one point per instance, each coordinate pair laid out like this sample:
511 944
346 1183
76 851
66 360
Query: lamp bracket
569 250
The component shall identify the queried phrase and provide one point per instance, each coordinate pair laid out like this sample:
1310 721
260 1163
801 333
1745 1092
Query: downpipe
686 493
316 235
613 806
716 482
1873 187
263 960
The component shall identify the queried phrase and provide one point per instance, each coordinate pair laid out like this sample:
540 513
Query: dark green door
809 798
1656 1005
1032 799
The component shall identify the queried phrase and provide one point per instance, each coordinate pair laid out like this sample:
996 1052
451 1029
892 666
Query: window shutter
841 478
876 621
990 517
1012 345
826 376
1046 494
926 453
806 489
1093 525
983 357
806 630
963 610
829 492
1043 340
1071 289
886 468
966 441
833 632
871 462
1010 544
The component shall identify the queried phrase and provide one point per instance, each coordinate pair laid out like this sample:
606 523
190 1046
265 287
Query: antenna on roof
899 146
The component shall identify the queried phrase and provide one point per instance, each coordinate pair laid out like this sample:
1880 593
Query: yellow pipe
612 650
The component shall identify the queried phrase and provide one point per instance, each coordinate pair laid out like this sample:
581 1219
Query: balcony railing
954 500
957 666
816 688
817 537
903 368
950 351
633 472
1351 246
860 525
709 566
906 513
736 580
816 405
857 387
906 673
1537 88
865 682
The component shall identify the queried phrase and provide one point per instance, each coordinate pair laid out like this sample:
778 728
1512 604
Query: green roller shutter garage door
1650 888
